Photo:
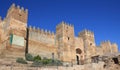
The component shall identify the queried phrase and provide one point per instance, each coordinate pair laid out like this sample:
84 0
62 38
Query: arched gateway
78 56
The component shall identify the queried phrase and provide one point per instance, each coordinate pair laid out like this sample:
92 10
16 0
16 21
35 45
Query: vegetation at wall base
29 57
47 62
37 64
21 60
37 58
37 61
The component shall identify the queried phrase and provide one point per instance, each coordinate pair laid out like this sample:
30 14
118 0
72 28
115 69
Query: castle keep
16 39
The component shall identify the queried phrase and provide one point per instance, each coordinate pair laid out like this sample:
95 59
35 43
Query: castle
16 39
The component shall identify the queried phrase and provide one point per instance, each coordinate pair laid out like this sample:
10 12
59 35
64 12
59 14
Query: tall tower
17 20
89 43
65 42
88 37
15 27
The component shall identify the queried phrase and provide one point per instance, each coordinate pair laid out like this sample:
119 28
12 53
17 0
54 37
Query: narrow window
90 44
20 15
68 38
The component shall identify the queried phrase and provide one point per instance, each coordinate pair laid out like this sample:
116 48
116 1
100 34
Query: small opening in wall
90 44
20 15
104 66
115 60
68 38
67 27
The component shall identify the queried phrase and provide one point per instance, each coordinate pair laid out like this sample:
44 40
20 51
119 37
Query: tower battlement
86 32
88 37
13 6
65 24
18 13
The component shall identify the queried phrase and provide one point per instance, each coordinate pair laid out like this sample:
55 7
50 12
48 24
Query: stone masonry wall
41 35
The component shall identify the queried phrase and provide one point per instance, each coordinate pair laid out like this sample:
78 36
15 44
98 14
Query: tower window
67 27
90 44
20 15
68 38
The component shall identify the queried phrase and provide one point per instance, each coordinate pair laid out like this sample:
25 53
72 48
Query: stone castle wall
41 35
63 45
108 47
42 43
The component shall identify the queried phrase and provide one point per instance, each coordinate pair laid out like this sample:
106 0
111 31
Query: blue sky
100 16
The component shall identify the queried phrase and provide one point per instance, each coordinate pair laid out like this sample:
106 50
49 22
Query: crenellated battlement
64 24
18 13
114 44
41 35
105 42
109 47
13 6
108 42
41 31
86 32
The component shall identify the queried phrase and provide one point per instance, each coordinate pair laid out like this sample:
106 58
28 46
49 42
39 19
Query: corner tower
65 42
15 27
18 13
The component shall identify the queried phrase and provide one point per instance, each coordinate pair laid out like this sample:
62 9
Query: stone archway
78 56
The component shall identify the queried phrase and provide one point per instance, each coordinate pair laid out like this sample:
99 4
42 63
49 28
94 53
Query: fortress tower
17 20
89 43
65 42
88 37
15 27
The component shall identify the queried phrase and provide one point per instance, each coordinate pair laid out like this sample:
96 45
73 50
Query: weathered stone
63 44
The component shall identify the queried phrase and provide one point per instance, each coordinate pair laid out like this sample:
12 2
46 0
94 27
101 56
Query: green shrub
21 60
45 61
29 57
37 58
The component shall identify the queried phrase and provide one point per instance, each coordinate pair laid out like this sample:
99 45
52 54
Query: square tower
88 37
15 28
89 43
65 42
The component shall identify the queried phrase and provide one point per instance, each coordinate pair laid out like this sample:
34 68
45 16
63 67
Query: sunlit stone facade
16 39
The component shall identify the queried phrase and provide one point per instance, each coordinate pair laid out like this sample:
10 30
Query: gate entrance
77 60
78 56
